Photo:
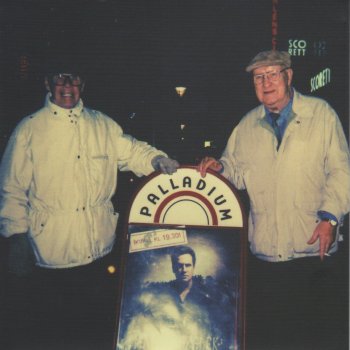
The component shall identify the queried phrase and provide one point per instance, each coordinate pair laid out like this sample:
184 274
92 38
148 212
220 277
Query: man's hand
209 163
324 231
165 165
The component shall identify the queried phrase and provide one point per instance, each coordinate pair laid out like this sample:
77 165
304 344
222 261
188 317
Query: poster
182 289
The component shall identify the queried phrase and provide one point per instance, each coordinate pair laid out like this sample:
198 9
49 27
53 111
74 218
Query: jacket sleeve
15 178
232 171
336 194
135 155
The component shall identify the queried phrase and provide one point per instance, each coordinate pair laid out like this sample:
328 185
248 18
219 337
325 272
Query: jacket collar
299 107
57 110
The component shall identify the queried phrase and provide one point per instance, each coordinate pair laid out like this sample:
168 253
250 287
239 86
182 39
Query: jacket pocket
113 219
106 222
38 221
259 234
102 171
305 222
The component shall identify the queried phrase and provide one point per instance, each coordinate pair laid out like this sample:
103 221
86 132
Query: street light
180 90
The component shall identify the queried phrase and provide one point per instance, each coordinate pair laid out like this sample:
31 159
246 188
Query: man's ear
290 76
47 85
82 86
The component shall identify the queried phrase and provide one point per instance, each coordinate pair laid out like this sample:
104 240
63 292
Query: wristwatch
333 223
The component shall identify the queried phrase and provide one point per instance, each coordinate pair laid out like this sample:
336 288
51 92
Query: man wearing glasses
58 175
292 157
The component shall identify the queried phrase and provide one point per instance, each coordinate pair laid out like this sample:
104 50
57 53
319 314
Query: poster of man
186 296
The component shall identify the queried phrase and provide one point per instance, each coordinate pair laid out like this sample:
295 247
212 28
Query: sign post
183 284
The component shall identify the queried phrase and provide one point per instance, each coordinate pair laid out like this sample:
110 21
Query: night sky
137 51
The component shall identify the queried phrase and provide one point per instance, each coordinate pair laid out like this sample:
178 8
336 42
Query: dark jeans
298 305
61 309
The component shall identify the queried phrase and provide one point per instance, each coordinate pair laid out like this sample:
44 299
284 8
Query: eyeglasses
270 76
62 78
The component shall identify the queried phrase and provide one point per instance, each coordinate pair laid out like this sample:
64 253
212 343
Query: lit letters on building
321 79
297 47
320 48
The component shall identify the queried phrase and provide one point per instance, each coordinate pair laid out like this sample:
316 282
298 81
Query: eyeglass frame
265 76
67 76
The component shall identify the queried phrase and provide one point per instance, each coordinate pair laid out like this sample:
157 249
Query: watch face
333 222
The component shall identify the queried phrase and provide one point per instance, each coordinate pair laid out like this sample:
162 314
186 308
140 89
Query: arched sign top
185 198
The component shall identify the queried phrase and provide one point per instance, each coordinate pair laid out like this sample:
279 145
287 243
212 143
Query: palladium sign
185 198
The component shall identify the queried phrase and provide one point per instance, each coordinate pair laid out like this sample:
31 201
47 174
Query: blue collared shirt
285 116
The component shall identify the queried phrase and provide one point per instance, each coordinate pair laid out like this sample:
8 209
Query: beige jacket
58 175
309 172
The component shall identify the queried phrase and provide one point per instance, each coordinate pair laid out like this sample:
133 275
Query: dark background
137 51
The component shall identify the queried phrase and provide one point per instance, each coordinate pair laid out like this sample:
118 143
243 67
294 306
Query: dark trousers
298 305
61 309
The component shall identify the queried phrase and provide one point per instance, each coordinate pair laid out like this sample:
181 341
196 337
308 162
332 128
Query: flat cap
270 58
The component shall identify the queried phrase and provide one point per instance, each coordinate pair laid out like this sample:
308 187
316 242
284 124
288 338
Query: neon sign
297 47
321 79
320 48
274 24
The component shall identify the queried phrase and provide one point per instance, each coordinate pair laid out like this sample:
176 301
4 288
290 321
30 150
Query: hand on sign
209 163
165 165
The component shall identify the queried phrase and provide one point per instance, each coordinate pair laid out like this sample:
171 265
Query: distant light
180 90
182 138
131 179
207 144
182 126
111 269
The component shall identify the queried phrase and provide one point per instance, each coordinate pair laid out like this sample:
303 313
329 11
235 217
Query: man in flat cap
291 155
57 177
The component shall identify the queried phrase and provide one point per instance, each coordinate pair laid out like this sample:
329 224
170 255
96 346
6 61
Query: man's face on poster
184 268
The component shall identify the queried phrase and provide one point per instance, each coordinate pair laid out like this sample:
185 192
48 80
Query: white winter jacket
309 172
58 175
